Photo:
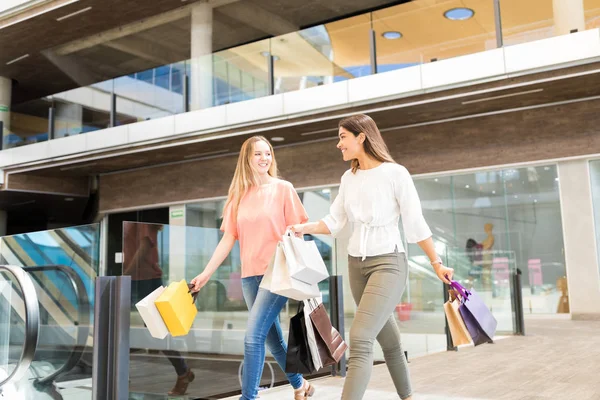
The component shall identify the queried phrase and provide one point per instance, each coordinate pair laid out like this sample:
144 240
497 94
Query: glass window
495 223
28 124
595 176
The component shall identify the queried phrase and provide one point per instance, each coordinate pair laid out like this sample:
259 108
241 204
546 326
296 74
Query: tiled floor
558 359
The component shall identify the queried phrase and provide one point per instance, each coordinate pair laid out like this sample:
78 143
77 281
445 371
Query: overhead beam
258 18
130 29
71 67
145 49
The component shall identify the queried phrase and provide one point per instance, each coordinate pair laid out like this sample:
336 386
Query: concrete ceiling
118 37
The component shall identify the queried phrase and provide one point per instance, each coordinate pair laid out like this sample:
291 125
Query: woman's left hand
444 273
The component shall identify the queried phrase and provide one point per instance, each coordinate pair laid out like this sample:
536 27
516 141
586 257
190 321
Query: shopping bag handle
460 289
194 294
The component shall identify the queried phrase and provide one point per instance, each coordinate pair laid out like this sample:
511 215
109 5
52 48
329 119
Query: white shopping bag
277 279
310 332
151 315
304 259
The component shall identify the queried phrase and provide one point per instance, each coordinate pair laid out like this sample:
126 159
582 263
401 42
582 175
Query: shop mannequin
488 244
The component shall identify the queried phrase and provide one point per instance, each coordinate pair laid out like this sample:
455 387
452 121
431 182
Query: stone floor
557 359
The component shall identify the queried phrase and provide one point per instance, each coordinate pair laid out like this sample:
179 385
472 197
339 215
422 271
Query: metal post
373 51
2 135
51 120
113 109
498 23
110 376
519 321
271 74
186 92
449 343
336 300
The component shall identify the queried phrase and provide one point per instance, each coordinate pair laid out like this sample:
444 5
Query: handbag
177 307
329 341
277 279
151 316
298 358
304 259
477 317
458 330
312 339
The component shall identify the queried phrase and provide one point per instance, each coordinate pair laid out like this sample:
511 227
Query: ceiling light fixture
208 153
277 139
73 14
392 35
503 96
459 14
17 59
267 54
43 10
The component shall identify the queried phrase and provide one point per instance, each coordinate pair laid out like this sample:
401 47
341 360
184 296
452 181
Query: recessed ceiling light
266 54
392 35
73 14
459 14
277 139
68 199
467 186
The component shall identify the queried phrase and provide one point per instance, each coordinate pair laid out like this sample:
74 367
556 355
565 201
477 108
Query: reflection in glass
63 265
28 123
493 224
428 32
595 178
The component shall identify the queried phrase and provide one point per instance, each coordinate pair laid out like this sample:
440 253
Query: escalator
43 353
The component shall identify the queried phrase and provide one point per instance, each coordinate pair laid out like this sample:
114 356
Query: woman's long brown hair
374 145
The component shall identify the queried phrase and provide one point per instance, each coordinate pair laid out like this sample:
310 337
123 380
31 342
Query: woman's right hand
298 230
199 281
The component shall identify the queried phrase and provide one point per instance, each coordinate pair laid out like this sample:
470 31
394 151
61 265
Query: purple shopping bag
478 319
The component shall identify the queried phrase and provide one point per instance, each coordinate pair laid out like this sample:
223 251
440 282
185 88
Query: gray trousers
377 284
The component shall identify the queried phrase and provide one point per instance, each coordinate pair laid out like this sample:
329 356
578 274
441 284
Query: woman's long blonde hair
245 176
374 145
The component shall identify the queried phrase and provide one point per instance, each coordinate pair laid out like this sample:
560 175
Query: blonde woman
258 210
373 195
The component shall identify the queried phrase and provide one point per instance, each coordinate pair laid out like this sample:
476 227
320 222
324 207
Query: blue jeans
263 327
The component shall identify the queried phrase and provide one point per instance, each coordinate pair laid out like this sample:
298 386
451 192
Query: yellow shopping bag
177 308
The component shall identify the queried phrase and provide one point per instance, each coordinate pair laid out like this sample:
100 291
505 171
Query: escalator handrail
83 320
32 322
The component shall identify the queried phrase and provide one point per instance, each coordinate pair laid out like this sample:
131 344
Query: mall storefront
489 224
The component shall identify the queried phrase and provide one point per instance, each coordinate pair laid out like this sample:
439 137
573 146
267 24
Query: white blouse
372 201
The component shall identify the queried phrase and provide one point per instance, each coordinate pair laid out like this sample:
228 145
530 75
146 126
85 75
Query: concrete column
568 15
201 79
177 243
5 102
69 119
581 257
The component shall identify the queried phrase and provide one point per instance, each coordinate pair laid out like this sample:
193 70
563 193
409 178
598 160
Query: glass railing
62 266
158 254
401 36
